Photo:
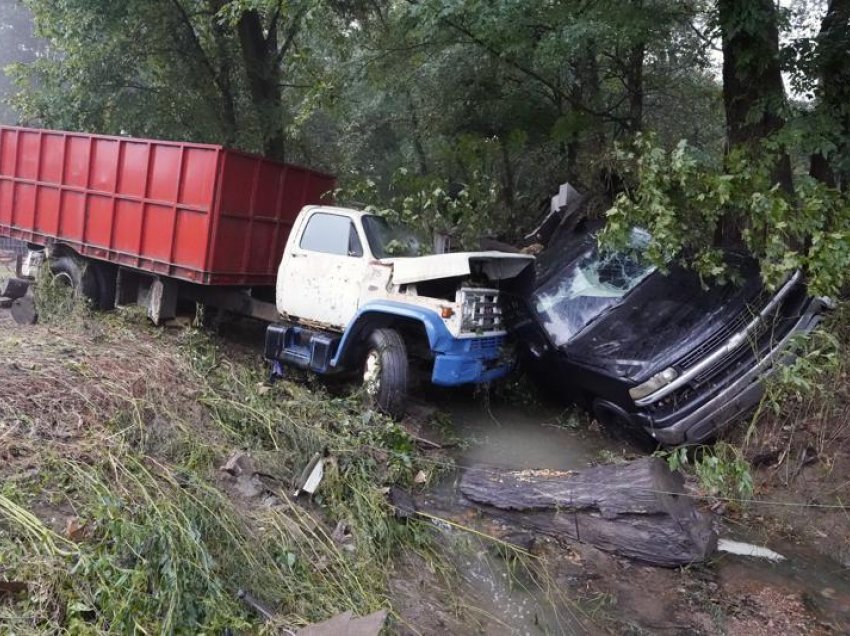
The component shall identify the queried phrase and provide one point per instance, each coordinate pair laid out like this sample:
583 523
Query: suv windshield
390 240
573 297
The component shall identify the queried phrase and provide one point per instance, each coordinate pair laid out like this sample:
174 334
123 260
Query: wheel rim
67 292
63 279
372 373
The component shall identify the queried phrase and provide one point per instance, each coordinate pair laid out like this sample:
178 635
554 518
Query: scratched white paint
497 266
328 289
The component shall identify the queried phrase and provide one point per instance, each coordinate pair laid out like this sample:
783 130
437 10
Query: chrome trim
474 304
743 393
734 341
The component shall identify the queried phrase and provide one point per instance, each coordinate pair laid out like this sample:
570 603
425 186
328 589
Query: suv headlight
659 380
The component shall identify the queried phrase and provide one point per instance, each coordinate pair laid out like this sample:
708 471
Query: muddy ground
557 588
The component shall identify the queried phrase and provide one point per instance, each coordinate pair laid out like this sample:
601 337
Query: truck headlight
660 379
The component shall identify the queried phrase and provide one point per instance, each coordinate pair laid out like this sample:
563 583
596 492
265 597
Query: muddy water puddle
510 595
578 590
518 437
818 584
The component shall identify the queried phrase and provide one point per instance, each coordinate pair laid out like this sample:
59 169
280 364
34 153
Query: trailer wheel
385 372
83 278
107 284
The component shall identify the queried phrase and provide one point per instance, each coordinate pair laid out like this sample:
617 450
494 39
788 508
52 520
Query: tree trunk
216 65
753 92
225 77
508 193
634 85
418 146
833 67
636 509
260 56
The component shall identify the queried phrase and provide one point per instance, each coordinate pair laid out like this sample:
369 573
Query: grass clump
56 302
115 512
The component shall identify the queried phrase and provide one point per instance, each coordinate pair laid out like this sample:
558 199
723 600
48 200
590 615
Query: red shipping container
198 212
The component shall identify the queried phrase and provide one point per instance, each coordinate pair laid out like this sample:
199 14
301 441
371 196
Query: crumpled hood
494 265
665 317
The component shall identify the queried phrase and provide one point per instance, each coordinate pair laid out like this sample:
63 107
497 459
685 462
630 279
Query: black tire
386 384
83 278
107 283
617 427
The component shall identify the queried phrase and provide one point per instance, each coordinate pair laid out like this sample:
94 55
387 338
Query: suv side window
331 234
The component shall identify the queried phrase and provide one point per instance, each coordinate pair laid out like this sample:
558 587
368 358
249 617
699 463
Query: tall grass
158 542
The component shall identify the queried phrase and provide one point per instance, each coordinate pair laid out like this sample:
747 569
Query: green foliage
721 469
518 97
170 69
429 205
161 542
811 375
56 302
682 196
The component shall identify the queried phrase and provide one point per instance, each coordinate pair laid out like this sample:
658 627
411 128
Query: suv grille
744 317
481 310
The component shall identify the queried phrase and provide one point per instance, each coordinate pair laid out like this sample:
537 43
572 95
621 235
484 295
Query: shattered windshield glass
570 299
388 240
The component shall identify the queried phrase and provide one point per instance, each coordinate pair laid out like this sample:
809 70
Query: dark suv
652 353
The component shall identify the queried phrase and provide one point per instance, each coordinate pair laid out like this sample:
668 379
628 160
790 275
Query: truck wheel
385 372
79 276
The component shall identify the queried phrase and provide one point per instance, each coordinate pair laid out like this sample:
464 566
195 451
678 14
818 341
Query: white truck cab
353 295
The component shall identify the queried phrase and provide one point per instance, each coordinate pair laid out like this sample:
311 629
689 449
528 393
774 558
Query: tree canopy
714 123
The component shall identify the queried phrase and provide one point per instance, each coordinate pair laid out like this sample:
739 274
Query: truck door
322 274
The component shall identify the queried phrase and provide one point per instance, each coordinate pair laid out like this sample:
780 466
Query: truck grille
737 343
487 344
481 310
733 326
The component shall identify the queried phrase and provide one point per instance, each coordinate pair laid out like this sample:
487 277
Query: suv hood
494 265
661 320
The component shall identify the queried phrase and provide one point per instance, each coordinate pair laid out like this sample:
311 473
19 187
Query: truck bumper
471 361
740 396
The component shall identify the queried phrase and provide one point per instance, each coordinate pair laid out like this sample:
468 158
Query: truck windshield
573 297
388 240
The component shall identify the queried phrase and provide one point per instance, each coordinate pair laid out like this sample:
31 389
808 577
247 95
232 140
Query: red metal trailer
195 212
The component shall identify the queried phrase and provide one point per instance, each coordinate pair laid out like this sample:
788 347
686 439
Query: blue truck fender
381 313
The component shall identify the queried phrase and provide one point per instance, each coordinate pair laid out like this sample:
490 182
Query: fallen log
638 509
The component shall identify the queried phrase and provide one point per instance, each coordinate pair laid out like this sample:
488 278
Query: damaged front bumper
475 360
696 424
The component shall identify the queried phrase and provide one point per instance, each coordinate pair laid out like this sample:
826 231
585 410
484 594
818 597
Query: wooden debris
24 312
638 509
14 288
12 588
427 443
346 625
404 507
237 464
311 476
765 457
255 605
